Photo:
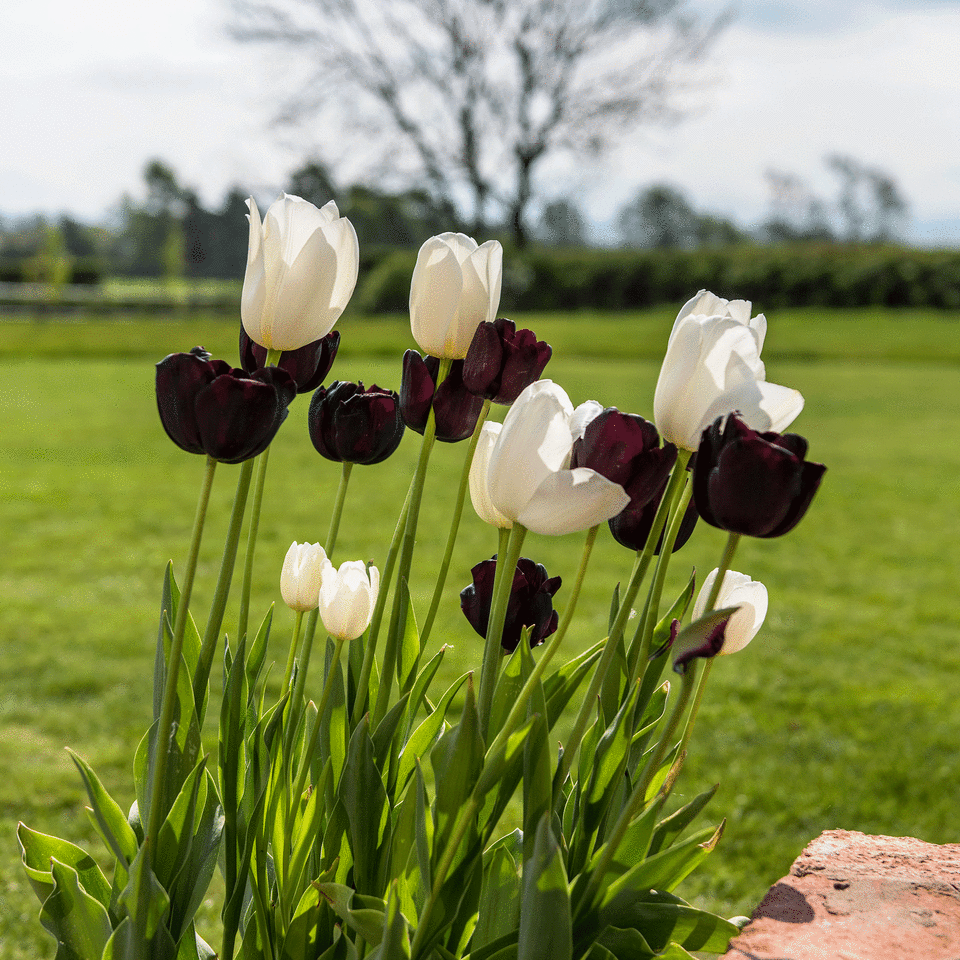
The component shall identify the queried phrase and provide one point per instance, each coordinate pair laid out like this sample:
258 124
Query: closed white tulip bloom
737 590
301 575
529 479
712 367
479 488
347 598
302 266
455 288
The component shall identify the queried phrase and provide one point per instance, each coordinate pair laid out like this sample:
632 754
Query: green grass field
842 713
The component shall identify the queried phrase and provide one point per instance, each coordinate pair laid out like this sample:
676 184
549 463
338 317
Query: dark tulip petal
752 487
280 380
238 417
615 445
475 599
416 391
484 361
252 355
503 361
710 645
308 365
455 408
369 427
320 425
179 378
792 442
809 484
711 442
524 361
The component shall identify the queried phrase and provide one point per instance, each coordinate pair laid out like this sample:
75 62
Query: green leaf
79 921
423 738
626 943
509 684
169 602
111 823
671 827
387 728
144 898
499 895
368 920
38 851
546 931
564 682
420 688
258 650
396 935
408 649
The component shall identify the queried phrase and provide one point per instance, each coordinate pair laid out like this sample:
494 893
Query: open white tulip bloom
347 598
737 590
302 266
479 488
528 476
301 574
712 367
455 288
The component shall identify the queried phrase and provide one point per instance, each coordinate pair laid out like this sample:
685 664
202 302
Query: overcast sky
90 92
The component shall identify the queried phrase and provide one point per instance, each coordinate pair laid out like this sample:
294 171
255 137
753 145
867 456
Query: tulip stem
291 656
252 531
406 558
222 593
166 720
454 526
338 507
492 650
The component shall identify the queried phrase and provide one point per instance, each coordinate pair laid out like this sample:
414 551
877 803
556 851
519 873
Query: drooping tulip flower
348 423
529 480
456 409
302 266
503 361
631 527
208 407
757 484
301 574
309 365
455 287
712 367
347 598
530 604
720 633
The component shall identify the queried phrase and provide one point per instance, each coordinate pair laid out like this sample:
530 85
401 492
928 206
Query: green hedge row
803 275
87 271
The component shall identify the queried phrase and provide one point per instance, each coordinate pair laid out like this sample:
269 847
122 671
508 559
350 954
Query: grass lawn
842 713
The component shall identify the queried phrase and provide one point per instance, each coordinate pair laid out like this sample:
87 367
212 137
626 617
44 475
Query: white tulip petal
582 416
301 575
571 500
479 485
343 238
460 244
435 291
347 598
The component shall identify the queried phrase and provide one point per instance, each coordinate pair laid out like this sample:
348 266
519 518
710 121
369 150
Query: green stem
338 508
492 650
406 559
292 655
165 725
455 525
219 605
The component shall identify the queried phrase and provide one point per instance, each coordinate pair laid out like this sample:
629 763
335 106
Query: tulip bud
207 407
309 365
712 366
757 484
456 409
455 287
348 423
347 598
301 574
503 361
302 266
530 604
631 527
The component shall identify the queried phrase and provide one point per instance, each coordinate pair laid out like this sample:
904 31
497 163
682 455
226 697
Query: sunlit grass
840 714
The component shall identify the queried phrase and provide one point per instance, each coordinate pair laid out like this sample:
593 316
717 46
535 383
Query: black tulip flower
530 605
757 484
455 408
631 527
503 361
349 423
208 407
308 365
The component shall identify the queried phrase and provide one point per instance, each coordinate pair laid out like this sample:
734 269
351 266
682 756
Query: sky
90 93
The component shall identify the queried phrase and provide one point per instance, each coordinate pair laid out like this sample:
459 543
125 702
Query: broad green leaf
499 897
110 821
144 898
408 650
387 729
396 935
420 688
509 684
79 921
176 833
626 943
300 939
564 682
546 931
503 770
123 944
169 603
671 827
367 918
39 850
258 650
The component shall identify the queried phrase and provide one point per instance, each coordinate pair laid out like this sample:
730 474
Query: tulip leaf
563 683
395 944
670 828
38 850
366 918
509 684
169 603
499 894
144 898
423 738
78 920
408 650
546 931
109 819
258 650
383 736
419 691
627 943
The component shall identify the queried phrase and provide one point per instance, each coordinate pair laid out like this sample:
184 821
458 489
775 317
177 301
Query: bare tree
870 202
468 97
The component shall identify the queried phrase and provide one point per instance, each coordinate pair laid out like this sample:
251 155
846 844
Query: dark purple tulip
757 484
349 423
503 361
632 525
308 366
455 408
530 605
208 407
625 449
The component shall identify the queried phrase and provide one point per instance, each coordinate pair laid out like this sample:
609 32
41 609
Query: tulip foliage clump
355 809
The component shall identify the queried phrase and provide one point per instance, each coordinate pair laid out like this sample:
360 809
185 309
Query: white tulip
347 598
302 266
528 477
712 367
455 288
737 590
301 575
479 488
